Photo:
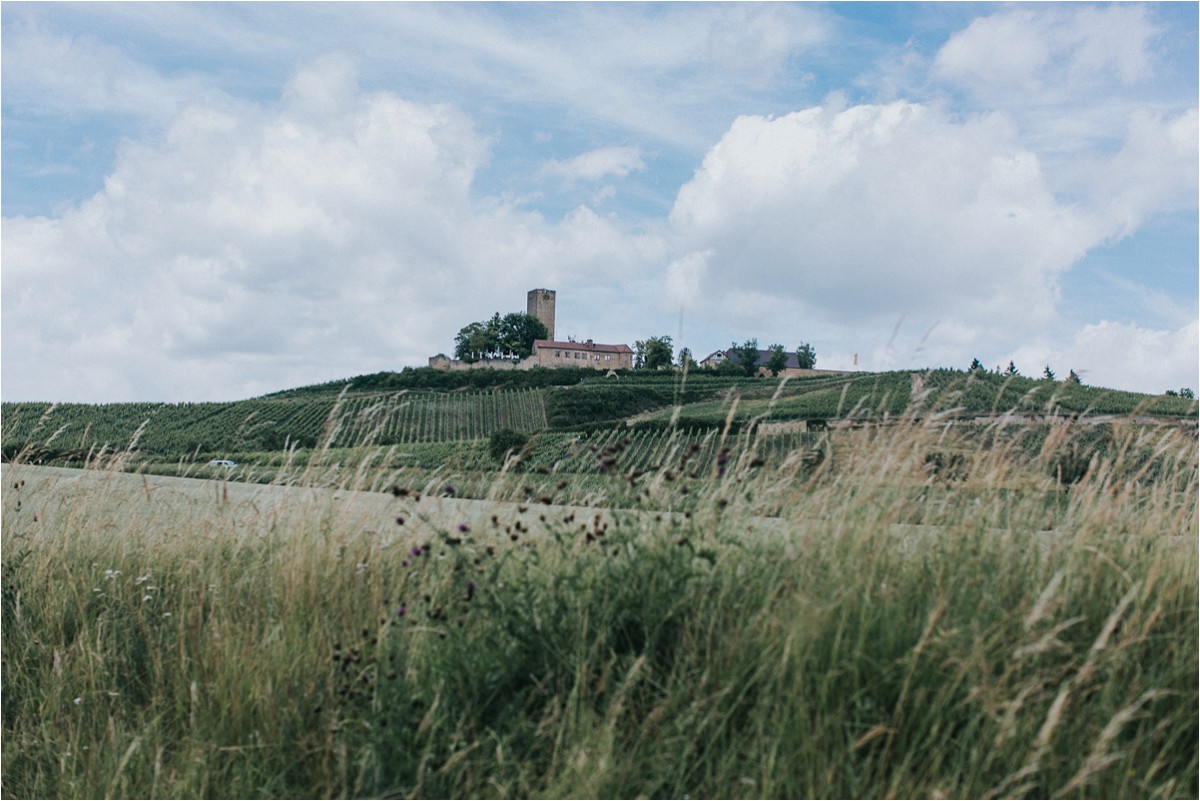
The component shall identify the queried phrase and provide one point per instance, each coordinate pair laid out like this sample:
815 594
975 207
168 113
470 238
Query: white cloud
1031 52
597 164
1155 170
249 249
870 212
1122 356
685 276
78 74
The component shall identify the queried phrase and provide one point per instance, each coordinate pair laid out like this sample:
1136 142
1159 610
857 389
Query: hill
429 406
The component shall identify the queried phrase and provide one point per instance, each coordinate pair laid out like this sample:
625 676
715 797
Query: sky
212 201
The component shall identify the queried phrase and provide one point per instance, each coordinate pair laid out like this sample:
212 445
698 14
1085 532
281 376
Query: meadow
921 608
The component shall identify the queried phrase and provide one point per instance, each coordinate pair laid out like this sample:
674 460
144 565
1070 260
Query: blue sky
213 201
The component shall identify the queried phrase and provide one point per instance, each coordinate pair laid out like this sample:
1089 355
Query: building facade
549 353
792 369
539 303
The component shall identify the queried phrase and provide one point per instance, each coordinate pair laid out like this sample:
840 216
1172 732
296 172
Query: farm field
915 609
424 420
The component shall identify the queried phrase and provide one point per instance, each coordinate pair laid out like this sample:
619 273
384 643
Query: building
539 303
792 369
549 353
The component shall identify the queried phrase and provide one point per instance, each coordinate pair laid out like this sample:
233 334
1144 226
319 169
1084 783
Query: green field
927 599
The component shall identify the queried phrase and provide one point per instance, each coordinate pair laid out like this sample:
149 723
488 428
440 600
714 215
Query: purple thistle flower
463 527
448 489
416 551
399 521
470 590
405 563
400 612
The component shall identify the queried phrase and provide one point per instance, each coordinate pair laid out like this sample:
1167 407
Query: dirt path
48 491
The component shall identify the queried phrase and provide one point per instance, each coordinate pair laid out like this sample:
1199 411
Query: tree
1186 392
474 342
686 362
1012 369
977 366
1048 374
510 336
504 441
746 356
653 353
806 357
1072 378
518 332
777 361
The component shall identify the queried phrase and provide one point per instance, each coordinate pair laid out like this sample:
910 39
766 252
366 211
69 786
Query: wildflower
143 579
470 590
463 527
416 551
405 563
399 520
448 489
146 598
78 701
400 612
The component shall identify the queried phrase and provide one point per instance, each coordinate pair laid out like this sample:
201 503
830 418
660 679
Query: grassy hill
428 406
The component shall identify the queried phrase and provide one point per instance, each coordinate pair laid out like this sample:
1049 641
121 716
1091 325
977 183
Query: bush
503 441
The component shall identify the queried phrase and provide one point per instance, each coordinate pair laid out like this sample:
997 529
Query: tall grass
998 621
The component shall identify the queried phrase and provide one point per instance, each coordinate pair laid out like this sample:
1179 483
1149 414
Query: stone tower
541 305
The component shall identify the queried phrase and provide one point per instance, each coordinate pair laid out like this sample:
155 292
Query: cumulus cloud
1035 51
597 164
79 74
1155 170
253 248
873 211
1122 356
914 237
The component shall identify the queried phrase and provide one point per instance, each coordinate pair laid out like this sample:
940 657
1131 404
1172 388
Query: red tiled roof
590 347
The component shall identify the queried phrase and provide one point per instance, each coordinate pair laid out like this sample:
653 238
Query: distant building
540 303
792 369
548 353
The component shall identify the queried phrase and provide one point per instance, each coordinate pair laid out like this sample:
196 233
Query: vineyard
267 425
314 418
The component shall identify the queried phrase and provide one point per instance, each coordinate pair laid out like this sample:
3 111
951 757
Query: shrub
503 441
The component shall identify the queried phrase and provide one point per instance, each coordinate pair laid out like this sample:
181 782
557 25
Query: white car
222 463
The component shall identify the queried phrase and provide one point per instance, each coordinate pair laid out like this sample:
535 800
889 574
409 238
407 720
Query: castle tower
541 305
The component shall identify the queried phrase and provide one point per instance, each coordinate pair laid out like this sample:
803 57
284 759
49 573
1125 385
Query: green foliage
686 362
746 356
1048 374
510 337
428 378
594 405
653 353
806 356
504 441
778 360
1024 640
